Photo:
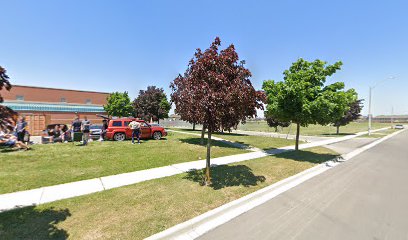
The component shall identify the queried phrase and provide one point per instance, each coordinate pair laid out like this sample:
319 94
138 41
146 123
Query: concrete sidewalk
234 144
52 193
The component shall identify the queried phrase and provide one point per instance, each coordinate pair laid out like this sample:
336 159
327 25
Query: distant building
42 106
391 118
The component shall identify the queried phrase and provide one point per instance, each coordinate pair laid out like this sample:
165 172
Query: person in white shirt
135 126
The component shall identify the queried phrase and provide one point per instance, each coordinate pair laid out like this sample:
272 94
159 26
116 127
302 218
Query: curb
203 223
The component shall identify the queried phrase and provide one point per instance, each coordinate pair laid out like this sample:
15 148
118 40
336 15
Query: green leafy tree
303 98
7 115
118 105
152 104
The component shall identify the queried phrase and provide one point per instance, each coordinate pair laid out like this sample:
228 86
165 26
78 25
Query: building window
20 98
88 101
63 100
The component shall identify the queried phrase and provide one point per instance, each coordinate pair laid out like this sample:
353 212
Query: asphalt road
363 198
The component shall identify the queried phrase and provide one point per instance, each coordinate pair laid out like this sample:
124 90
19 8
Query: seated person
56 134
9 140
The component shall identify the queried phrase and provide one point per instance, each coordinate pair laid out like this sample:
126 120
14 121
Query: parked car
118 130
95 131
399 126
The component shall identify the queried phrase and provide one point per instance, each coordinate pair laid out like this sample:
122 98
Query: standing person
86 124
104 129
21 129
135 126
75 127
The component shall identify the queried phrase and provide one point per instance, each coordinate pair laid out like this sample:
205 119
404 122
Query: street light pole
369 111
369 103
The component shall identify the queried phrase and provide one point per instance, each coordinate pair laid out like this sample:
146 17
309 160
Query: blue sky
128 45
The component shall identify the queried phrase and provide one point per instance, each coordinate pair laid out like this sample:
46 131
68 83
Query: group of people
61 133
84 127
16 138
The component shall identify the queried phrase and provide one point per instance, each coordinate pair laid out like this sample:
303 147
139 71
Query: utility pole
369 111
392 115
369 103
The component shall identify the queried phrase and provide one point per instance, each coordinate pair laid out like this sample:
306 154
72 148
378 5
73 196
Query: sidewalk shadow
336 135
227 176
307 156
214 143
31 223
233 134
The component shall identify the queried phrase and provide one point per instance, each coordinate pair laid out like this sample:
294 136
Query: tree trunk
193 126
202 135
297 136
337 130
207 163
158 120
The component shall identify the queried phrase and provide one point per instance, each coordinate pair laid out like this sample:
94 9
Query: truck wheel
157 135
119 137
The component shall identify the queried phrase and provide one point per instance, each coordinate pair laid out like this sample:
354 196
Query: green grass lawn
313 130
140 210
61 163
261 142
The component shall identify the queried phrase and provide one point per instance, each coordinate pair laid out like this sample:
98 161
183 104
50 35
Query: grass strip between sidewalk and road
313 130
379 134
140 210
261 142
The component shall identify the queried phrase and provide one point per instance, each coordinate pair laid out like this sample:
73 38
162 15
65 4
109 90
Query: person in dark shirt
104 129
76 125
75 128
57 134
21 129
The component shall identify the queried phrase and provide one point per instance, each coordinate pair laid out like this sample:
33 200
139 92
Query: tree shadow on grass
307 156
227 176
4 149
214 143
32 223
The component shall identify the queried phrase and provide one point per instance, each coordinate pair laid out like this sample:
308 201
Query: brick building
43 106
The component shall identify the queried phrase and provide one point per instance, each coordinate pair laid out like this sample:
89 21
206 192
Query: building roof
63 89
48 107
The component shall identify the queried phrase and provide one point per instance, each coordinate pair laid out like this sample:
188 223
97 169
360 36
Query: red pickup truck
118 130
